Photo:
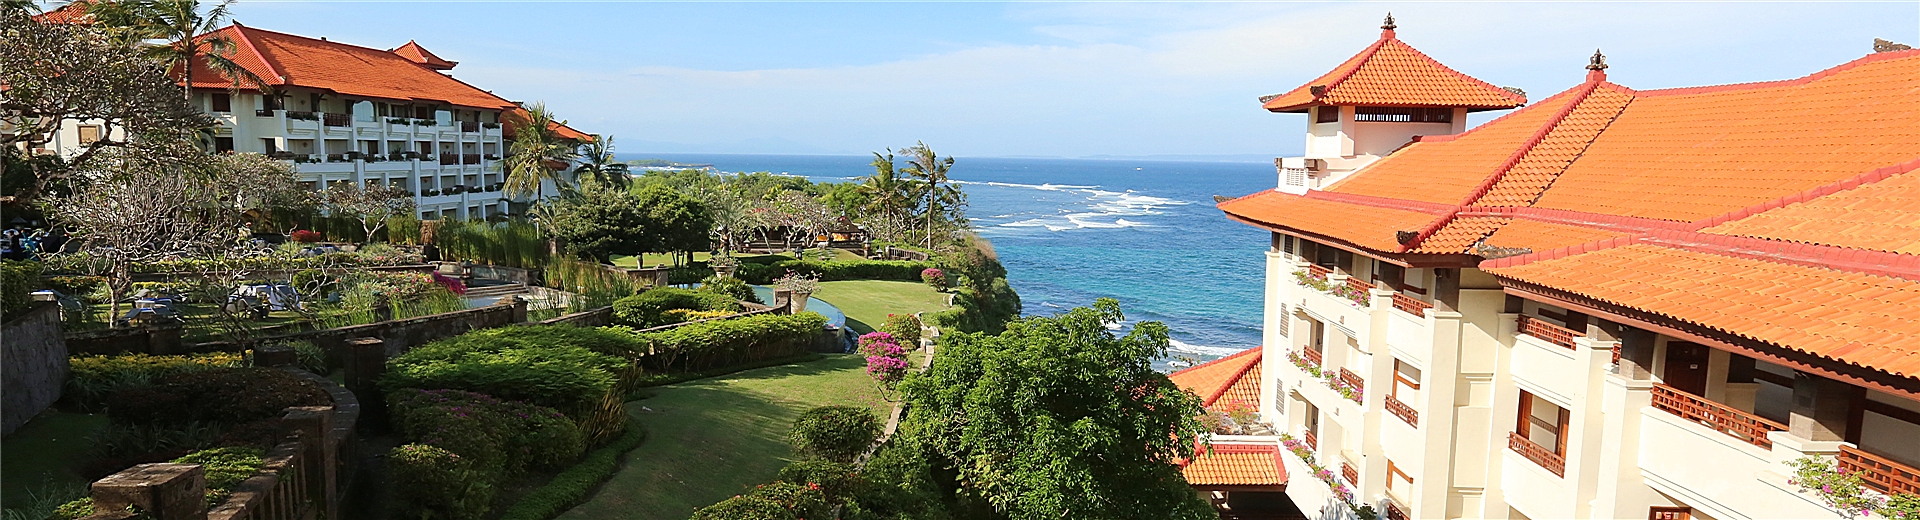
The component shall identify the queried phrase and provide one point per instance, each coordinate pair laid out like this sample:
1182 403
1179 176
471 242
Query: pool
835 318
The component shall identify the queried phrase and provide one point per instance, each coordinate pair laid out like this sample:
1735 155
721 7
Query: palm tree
931 169
179 26
535 152
596 162
887 193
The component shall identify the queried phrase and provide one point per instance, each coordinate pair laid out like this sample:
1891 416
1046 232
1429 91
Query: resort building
346 113
1611 303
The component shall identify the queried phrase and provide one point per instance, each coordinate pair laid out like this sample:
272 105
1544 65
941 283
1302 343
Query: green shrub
745 507
77 286
226 467
835 433
835 479
827 271
905 329
568 378
570 487
897 482
649 309
18 280
704 345
433 483
92 379
801 500
732 287
221 395
499 438
612 342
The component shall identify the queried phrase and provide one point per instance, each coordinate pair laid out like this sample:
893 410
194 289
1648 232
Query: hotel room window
222 102
1543 422
1326 115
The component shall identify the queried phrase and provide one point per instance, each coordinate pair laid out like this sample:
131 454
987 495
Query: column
1822 408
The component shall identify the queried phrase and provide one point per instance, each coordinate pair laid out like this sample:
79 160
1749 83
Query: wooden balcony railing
469 126
1356 284
1410 305
472 158
1741 425
1394 512
1319 271
337 119
1353 380
449 158
1311 355
1404 412
1882 474
1544 457
1312 441
1549 332
1352 475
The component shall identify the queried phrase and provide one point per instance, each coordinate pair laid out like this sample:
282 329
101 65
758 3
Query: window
422 112
1403 114
222 102
1398 482
1669 513
223 144
1326 115
1543 422
1406 380
89 134
273 102
1317 342
1286 243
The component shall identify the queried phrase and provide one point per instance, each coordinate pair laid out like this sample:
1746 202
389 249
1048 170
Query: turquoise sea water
1069 231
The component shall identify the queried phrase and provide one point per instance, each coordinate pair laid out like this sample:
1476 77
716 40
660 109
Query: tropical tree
596 162
1058 418
183 30
536 153
597 222
371 205
734 216
673 222
943 199
888 193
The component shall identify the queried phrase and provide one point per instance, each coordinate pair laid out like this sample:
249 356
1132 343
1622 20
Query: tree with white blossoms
370 205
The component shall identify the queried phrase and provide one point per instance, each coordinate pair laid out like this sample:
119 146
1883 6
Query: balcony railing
472 158
1319 271
1882 474
1348 472
1312 441
1741 425
1548 332
449 158
1410 305
338 119
1544 457
1312 355
1394 512
1404 412
469 126
1357 285
1353 380
302 115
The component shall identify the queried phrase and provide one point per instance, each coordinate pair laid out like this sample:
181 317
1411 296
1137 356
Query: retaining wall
35 365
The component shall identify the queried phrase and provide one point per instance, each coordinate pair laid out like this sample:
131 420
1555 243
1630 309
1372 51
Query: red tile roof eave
276 75
1361 59
1214 394
1870 58
1237 375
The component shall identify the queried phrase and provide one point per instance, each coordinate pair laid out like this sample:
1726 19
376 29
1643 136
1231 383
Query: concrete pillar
519 309
167 491
1823 408
366 360
1636 354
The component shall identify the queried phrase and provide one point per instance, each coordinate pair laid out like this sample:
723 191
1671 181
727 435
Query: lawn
47 452
868 302
710 439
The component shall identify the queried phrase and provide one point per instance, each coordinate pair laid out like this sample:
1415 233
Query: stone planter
800 301
723 271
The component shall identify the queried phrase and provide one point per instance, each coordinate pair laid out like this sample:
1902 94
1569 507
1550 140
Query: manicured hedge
92 379
222 395
828 271
500 438
649 309
18 280
566 377
436 484
570 487
710 344
835 433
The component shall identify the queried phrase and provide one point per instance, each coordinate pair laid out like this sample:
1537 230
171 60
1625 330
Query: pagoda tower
1374 103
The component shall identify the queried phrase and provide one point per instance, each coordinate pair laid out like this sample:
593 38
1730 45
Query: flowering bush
798 283
886 360
1847 494
307 236
934 278
905 329
452 284
1346 390
1340 489
1304 363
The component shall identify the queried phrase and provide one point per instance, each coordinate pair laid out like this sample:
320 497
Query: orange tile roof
1546 236
1691 154
1236 377
1876 213
1448 170
515 117
1236 465
1320 213
1392 73
414 52
1811 305
1460 234
1564 142
282 59
73 13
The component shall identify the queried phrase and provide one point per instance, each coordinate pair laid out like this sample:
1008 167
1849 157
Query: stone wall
600 317
506 274
158 341
399 334
35 365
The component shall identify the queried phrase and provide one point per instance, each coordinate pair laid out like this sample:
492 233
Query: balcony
1351 379
449 159
470 126
471 158
1348 472
1319 271
1312 440
1410 305
331 119
1312 356
1404 412
1879 473
1548 332
1749 428
1539 455
302 115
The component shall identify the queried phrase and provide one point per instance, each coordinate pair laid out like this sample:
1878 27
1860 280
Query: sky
1074 79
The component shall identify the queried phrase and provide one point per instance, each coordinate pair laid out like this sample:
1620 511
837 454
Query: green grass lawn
46 453
710 439
868 302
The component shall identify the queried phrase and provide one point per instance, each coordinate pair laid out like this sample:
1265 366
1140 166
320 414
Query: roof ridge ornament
1880 45
1599 61
1388 25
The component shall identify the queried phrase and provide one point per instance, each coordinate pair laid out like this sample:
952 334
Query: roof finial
1599 61
1388 25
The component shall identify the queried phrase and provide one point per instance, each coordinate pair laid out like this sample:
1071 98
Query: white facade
1343 139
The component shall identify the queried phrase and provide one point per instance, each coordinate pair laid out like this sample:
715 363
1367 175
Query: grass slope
868 302
47 452
710 439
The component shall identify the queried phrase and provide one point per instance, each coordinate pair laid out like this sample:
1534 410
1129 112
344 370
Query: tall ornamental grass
513 243
594 284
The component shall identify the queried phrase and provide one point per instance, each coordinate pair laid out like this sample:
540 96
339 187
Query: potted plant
723 266
801 286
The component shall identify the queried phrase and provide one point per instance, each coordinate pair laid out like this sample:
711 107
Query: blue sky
1046 79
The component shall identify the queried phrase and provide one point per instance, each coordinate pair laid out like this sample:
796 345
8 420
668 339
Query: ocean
1069 231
